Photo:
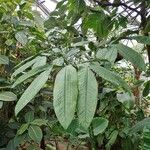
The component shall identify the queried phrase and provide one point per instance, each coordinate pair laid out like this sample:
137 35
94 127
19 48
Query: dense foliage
76 80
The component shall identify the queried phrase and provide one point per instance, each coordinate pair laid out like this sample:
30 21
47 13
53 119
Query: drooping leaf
65 95
21 37
99 125
35 133
129 54
4 60
23 67
87 97
27 75
7 96
32 90
25 61
110 76
146 90
142 39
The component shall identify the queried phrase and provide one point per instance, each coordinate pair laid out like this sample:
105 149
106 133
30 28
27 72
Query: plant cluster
75 80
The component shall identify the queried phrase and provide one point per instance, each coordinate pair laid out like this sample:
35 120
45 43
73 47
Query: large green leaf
4 60
21 37
35 133
65 95
110 76
88 92
129 54
7 96
32 90
27 75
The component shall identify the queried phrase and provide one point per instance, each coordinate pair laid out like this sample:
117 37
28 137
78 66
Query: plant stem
92 138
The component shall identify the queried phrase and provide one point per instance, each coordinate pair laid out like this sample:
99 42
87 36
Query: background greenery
77 80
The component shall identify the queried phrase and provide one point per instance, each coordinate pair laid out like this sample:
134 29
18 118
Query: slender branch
105 4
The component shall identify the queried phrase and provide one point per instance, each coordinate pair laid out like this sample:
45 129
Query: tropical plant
79 77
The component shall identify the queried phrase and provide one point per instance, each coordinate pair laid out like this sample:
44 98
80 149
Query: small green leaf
23 128
129 54
146 90
65 95
21 37
7 96
99 125
35 133
32 90
9 42
39 122
29 116
4 60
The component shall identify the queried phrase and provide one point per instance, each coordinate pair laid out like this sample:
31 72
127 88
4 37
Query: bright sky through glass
50 4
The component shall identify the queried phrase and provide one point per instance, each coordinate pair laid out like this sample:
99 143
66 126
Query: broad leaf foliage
87 99
65 95
32 90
